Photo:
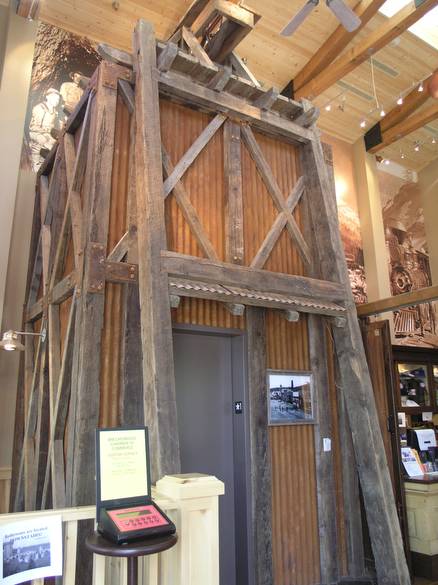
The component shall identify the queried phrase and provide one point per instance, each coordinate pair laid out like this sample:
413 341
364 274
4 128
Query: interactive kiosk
129 523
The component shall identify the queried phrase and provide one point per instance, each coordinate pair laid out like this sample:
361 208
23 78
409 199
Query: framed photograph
290 399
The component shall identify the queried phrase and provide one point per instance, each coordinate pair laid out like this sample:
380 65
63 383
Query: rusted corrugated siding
110 368
295 533
295 522
204 183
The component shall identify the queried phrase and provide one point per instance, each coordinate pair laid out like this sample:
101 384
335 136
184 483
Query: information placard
123 464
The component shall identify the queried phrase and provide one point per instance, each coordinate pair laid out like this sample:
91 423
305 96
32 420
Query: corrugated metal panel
295 533
295 522
112 330
204 183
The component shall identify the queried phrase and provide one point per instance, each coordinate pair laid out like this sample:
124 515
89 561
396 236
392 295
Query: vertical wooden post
233 189
261 491
359 399
131 396
84 404
324 460
156 326
325 470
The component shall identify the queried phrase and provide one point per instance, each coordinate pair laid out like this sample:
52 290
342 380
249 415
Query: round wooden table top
100 545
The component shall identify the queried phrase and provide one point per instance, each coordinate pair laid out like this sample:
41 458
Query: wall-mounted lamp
11 341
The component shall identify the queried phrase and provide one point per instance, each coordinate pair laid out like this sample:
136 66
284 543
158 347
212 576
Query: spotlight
10 341
434 140
400 101
363 124
328 107
421 87
382 113
402 155
386 161
416 147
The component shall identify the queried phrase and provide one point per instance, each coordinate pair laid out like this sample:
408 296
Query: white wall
16 205
428 182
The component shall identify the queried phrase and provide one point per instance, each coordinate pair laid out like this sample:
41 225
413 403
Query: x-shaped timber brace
74 206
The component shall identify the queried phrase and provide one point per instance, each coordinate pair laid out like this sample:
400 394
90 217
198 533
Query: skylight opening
425 29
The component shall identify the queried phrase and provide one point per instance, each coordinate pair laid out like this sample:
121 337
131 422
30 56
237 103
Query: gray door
209 434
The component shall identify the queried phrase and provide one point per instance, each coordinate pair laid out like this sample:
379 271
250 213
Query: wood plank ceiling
275 59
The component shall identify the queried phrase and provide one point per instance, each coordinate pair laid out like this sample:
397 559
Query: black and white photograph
290 397
31 550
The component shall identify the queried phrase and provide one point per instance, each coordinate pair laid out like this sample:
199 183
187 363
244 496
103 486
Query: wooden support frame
373 470
237 115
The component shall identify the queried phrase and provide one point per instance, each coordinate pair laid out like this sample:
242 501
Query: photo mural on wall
63 63
408 258
348 215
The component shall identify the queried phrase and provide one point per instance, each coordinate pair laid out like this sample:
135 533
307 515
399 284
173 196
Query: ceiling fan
343 13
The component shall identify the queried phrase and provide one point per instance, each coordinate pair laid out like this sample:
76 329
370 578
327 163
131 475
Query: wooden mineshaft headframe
74 212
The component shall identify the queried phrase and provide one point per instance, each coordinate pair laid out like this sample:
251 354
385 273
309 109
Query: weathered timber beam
156 328
195 47
324 459
356 383
182 89
234 236
189 212
418 120
127 94
114 55
220 80
372 43
415 297
267 100
243 84
191 14
35 311
241 69
235 23
63 289
120 249
261 476
187 159
276 194
167 57
335 44
223 294
280 222
182 266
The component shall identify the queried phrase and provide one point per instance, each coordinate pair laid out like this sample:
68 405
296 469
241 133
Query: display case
416 371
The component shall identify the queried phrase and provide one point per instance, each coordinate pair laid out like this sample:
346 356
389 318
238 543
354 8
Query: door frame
245 573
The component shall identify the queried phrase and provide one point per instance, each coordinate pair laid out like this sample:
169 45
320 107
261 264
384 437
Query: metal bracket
96 268
121 272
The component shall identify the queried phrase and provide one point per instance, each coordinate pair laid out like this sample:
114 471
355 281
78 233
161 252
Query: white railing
191 501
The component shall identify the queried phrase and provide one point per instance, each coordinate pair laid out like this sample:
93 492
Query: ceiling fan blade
344 14
299 18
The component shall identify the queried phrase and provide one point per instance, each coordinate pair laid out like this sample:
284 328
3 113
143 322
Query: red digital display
138 518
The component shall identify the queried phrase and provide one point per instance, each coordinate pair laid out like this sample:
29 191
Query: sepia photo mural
348 215
63 64
408 258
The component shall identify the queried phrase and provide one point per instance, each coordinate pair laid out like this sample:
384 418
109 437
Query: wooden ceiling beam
407 126
335 44
411 102
414 100
372 43
415 297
